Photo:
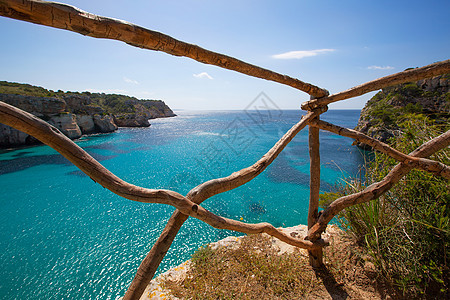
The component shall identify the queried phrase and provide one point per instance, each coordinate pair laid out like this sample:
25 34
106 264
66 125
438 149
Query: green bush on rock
406 232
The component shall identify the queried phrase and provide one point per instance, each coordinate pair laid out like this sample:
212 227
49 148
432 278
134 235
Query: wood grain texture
66 17
315 256
153 259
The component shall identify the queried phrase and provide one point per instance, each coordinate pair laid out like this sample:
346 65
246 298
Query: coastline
76 114
83 136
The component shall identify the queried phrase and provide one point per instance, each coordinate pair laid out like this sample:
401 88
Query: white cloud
380 68
301 54
203 75
128 80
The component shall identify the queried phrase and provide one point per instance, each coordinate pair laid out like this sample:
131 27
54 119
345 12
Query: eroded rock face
158 110
38 106
50 109
67 124
104 124
10 137
86 123
54 111
76 103
131 120
379 117
75 114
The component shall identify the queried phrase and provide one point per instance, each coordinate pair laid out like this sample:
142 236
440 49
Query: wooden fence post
315 256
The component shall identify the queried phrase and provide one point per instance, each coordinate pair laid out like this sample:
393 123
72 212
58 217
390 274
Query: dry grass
254 270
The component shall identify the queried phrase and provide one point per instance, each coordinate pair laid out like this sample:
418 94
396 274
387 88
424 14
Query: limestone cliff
381 114
141 112
75 114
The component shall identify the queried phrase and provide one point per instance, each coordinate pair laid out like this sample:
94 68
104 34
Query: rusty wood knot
195 208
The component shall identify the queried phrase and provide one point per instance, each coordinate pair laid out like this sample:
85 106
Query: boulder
131 120
67 124
104 123
86 123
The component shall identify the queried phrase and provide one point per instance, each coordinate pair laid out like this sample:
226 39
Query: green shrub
406 232
413 108
411 89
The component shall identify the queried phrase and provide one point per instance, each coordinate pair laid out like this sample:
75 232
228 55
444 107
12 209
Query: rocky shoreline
76 114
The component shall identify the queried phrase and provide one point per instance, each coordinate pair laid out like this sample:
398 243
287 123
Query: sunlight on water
64 237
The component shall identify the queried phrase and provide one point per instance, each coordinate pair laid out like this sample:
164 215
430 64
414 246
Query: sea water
62 236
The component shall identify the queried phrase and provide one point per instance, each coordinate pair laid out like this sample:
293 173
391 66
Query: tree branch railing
70 18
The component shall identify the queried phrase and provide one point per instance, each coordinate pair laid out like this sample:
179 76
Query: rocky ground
345 276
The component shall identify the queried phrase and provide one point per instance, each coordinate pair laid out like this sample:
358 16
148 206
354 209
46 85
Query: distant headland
76 114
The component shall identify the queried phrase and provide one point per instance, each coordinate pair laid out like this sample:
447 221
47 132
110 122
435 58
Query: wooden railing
70 18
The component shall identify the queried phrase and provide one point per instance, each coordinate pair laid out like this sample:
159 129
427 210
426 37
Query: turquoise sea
62 236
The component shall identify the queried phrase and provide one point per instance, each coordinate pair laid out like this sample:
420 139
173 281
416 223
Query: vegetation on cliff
75 113
406 232
109 103
383 115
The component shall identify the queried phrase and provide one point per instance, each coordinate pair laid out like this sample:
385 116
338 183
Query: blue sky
333 44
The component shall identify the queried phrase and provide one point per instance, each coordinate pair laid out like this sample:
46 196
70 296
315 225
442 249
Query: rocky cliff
75 114
381 114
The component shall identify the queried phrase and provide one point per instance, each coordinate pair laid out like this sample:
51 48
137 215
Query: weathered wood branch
70 18
377 189
314 169
401 77
435 167
315 256
150 264
67 17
